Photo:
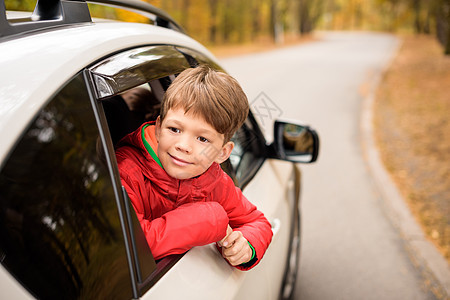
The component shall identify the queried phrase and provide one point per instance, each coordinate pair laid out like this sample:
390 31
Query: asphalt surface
352 245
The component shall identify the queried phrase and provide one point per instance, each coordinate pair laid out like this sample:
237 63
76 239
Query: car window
60 233
148 71
127 89
153 68
248 152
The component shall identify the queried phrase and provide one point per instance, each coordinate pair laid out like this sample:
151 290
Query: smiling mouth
179 161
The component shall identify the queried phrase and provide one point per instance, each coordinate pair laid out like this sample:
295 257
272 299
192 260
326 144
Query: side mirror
295 142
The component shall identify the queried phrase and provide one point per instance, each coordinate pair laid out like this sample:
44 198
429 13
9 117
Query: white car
67 229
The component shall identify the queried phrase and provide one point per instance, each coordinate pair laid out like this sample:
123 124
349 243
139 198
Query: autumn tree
309 12
237 21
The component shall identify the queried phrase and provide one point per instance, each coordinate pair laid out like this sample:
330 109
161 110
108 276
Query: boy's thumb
222 242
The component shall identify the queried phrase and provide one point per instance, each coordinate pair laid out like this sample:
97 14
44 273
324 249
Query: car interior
126 111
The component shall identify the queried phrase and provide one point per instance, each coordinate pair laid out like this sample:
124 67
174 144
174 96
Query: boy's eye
175 130
202 139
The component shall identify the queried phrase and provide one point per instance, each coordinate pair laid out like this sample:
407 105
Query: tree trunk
446 10
256 27
447 44
417 21
442 13
184 16
304 16
277 26
213 26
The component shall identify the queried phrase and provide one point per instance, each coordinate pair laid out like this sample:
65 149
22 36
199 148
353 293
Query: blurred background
217 22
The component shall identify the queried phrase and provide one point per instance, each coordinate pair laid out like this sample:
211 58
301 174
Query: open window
127 90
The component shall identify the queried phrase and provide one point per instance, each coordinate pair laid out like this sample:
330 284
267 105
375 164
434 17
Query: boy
171 172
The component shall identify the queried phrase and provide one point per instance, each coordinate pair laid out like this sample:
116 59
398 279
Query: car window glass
247 154
134 67
60 234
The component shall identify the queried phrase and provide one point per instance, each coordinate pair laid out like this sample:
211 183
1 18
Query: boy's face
187 145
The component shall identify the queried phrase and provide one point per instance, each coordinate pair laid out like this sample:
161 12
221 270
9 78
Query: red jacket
177 215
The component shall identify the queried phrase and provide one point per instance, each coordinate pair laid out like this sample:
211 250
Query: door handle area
275 224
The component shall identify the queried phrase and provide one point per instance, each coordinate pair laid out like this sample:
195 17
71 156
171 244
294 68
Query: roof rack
47 14
54 13
158 16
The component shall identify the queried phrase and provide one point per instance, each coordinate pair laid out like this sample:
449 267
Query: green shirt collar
149 148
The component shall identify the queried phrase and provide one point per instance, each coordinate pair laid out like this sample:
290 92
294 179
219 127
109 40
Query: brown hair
212 95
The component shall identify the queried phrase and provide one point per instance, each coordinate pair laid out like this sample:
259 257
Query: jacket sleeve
245 217
178 230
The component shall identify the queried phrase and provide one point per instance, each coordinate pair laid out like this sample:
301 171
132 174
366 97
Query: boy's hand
235 248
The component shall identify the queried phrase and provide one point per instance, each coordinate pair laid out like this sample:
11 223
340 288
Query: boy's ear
158 128
224 153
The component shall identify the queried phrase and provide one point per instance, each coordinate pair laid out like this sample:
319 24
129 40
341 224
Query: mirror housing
294 142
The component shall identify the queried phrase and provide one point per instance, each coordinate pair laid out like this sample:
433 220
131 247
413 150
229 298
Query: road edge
424 255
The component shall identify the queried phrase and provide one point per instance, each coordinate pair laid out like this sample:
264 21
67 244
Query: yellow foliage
128 16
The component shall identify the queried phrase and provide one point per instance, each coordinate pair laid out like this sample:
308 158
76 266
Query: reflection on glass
295 143
134 67
297 140
60 234
247 153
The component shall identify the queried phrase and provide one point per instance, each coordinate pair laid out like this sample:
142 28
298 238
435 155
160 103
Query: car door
271 186
66 225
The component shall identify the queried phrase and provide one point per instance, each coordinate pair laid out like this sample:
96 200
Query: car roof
35 66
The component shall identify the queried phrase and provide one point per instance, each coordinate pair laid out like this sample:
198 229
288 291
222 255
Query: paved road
350 249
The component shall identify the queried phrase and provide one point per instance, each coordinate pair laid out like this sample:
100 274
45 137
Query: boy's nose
183 146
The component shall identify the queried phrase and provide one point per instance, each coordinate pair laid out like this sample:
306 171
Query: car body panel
10 288
275 198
